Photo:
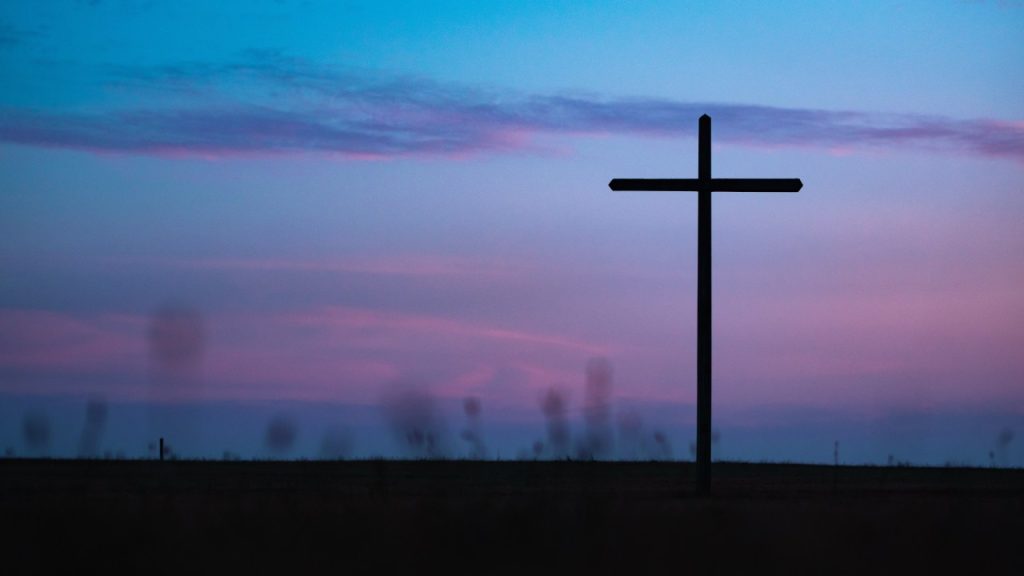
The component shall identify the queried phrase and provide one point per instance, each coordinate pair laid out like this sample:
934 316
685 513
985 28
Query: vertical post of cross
704 306
161 448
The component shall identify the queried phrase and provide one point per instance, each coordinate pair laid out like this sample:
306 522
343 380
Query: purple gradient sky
359 197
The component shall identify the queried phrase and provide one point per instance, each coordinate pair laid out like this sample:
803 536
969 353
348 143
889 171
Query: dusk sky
345 215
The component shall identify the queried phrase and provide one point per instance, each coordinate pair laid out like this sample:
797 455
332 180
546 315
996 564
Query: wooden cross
704 185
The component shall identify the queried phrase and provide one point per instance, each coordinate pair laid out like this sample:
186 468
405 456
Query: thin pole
704 308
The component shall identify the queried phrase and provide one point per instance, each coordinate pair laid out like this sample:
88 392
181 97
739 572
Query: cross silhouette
704 185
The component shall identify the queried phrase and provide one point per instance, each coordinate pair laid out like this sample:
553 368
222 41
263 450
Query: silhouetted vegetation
555 408
336 444
280 435
35 429
416 422
92 431
472 434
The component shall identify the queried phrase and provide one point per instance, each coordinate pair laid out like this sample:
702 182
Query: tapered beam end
705 117
615 184
799 184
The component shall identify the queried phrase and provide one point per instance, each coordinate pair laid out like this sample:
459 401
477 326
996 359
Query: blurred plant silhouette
35 430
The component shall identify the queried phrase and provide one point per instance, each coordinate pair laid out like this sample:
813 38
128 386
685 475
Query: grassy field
508 517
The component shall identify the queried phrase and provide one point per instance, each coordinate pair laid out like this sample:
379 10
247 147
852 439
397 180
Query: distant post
161 448
704 185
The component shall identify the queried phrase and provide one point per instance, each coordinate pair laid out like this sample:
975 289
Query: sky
298 229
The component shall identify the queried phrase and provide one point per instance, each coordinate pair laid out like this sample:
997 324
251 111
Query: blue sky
334 201
931 57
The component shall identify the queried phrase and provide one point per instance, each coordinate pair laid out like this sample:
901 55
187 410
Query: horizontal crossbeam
712 184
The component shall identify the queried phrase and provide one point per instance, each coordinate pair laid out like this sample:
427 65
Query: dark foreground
506 517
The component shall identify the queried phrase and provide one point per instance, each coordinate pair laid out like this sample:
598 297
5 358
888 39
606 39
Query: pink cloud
332 353
901 346
41 338
353 354
349 320
855 332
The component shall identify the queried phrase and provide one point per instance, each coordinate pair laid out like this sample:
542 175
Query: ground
507 517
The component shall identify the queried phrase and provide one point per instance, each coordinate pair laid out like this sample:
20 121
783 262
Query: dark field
507 517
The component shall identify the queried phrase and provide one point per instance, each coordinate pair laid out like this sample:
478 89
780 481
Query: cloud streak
321 352
268 104
426 266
